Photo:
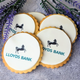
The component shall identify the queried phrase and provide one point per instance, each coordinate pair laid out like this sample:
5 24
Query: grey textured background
70 71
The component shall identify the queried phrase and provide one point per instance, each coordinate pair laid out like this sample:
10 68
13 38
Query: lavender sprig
47 9
9 23
17 4
74 3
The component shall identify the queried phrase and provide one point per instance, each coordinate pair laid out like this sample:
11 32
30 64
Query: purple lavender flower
74 3
9 23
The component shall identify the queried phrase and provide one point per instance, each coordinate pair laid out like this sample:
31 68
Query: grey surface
70 71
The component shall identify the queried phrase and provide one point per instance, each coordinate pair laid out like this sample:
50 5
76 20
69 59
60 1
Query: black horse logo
61 27
52 43
20 49
17 26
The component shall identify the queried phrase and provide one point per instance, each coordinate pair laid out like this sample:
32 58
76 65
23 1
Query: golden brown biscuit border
62 63
37 63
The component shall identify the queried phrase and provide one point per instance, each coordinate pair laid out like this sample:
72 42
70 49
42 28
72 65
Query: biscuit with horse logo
63 22
22 22
22 52
57 47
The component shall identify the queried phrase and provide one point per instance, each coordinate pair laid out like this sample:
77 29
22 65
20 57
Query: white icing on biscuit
37 15
21 22
57 21
56 45
21 51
